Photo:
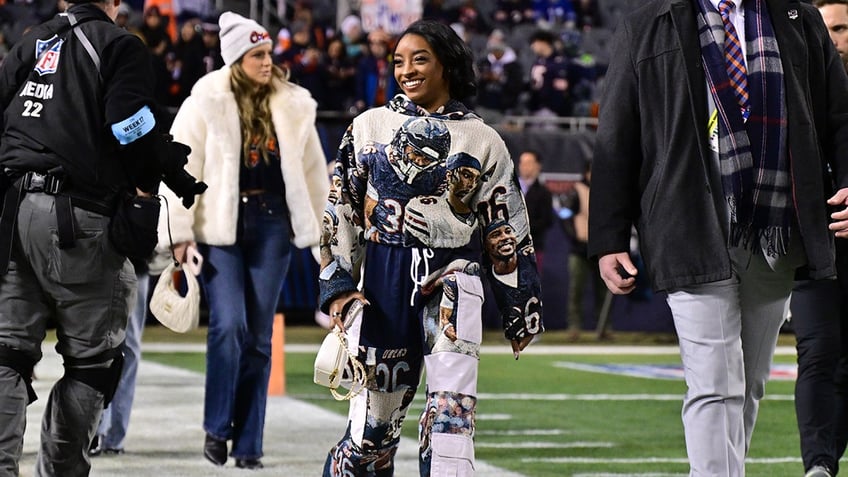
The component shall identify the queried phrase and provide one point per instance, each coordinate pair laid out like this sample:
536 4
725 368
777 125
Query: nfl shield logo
47 60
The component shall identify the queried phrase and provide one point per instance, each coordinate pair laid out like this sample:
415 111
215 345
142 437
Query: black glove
168 166
514 324
173 156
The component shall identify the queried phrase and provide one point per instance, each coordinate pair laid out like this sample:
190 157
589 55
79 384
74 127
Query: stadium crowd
535 57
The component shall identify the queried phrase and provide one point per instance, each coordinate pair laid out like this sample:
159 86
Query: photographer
81 157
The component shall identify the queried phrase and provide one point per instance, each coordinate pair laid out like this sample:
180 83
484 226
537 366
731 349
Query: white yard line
592 350
650 460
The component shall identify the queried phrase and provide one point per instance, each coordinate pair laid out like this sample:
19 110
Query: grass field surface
553 415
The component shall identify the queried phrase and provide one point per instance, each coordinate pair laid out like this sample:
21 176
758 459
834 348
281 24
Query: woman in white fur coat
253 140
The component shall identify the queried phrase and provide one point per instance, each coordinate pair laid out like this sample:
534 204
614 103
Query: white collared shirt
737 17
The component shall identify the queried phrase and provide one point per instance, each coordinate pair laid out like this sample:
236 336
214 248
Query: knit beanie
238 35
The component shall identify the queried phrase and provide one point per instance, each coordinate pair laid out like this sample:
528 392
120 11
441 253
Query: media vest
62 89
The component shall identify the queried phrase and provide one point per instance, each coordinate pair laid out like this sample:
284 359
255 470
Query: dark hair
535 153
542 35
454 55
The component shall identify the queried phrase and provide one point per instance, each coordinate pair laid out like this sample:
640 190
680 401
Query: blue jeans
242 283
116 417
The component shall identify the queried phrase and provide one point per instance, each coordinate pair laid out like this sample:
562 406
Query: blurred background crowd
536 58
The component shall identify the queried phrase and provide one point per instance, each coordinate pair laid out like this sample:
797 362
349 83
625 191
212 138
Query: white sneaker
818 471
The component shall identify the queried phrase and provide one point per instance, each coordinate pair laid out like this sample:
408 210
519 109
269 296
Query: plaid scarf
753 155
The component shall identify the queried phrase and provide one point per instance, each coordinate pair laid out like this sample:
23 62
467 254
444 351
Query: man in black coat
721 165
538 199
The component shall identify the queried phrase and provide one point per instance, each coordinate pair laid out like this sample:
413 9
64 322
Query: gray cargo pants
86 291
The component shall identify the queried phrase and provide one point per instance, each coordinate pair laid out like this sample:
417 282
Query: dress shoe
251 464
818 471
215 451
96 449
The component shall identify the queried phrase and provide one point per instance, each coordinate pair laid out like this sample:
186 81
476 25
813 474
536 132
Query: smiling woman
415 181
419 73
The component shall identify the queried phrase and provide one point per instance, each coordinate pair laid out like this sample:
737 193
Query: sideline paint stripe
779 372
629 474
495 417
580 350
562 397
649 460
545 445
525 432
605 397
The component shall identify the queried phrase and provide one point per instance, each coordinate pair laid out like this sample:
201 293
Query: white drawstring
419 279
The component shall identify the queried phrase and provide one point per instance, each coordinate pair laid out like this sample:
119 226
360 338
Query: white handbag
178 313
334 365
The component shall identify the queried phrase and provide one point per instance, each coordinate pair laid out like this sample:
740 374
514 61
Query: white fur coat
208 123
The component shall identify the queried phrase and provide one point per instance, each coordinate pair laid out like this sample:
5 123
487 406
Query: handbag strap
357 370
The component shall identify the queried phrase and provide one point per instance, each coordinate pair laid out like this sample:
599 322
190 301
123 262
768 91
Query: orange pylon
277 382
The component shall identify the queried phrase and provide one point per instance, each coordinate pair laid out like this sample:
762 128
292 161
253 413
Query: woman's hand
339 304
180 250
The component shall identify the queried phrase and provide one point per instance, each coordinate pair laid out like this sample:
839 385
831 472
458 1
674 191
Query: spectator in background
554 13
212 59
123 17
469 16
202 9
550 94
509 13
500 79
163 62
153 30
582 272
189 52
538 199
436 10
252 137
820 321
304 60
167 10
302 13
374 82
354 41
339 78
115 419
587 14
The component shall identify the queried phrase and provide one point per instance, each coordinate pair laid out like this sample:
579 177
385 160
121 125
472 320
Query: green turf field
544 416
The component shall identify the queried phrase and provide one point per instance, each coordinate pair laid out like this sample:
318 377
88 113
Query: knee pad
96 373
452 456
22 364
451 373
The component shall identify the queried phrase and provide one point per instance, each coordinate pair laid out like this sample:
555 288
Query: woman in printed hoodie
253 140
424 203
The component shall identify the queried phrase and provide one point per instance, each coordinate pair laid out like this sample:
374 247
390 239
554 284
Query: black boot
251 464
215 451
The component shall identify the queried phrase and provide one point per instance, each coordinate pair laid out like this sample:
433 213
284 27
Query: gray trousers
86 291
727 332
